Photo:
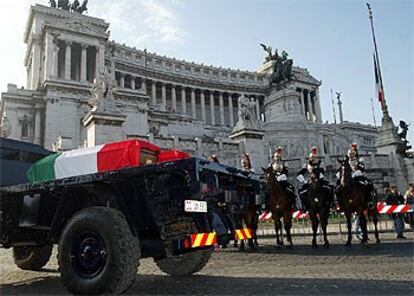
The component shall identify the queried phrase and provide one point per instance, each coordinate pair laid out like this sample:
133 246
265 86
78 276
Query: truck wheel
185 264
98 253
32 257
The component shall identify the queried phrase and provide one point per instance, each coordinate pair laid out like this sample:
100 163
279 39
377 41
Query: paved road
384 269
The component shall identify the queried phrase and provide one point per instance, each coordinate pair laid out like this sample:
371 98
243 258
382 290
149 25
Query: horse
318 206
352 197
281 207
249 216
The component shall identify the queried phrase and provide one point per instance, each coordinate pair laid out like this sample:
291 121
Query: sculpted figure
64 4
83 7
52 3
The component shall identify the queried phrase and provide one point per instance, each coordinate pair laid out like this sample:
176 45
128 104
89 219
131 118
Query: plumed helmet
314 149
279 150
354 146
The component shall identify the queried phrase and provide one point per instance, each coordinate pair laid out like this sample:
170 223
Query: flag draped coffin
91 160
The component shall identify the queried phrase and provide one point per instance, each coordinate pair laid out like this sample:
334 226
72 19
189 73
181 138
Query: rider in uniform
246 164
358 167
312 162
281 172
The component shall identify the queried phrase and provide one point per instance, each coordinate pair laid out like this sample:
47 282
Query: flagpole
384 104
373 112
333 106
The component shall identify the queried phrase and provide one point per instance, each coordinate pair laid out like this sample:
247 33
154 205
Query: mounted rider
281 172
312 163
358 167
246 164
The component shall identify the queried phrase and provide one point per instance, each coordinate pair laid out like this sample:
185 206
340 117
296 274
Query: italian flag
91 160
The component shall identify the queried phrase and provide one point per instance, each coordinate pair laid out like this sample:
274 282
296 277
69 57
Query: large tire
98 253
32 257
185 264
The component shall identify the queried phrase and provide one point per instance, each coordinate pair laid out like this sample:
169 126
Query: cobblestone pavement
383 269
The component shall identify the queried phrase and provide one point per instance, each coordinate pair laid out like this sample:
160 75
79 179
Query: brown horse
249 216
352 197
318 206
280 205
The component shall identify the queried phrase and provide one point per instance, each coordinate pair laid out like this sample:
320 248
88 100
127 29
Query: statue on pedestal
102 96
247 115
281 66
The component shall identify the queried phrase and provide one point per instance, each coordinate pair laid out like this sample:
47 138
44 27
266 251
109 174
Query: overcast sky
330 38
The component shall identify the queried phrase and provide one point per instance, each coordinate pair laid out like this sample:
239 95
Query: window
24 129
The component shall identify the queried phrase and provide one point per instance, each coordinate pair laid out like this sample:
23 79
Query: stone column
68 55
100 60
183 101
48 69
203 105
163 96
154 92
302 102
132 82
318 107
55 73
35 63
312 110
221 105
213 117
38 125
193 104
83 62
258 109
122 80
174 98
231 119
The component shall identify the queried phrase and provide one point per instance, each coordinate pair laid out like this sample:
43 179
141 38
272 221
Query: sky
332 39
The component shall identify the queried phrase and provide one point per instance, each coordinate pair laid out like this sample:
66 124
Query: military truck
107 207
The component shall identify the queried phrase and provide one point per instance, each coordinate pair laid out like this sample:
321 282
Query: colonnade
210 106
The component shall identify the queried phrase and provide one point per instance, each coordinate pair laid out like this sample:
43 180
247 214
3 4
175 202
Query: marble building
173 103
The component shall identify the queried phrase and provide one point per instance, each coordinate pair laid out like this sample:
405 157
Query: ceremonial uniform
246 164
312 162
281 174
358 167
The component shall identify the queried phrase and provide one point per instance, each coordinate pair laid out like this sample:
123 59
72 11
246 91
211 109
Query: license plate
195 206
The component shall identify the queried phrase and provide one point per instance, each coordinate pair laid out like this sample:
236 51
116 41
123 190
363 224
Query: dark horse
318 205
249 216
353 197
280 205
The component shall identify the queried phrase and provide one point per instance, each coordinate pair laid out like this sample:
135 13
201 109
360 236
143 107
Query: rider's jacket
279 167
245 164
356 163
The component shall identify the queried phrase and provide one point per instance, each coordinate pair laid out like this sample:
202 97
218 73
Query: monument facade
83 90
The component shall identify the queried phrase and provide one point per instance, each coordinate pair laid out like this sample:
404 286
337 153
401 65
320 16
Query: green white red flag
378 82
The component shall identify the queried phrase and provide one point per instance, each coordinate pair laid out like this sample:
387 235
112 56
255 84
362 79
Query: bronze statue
75 5
281 65
83 7
64 4
52 3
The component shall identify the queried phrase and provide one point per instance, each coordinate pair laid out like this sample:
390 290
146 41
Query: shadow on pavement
218 285
392 249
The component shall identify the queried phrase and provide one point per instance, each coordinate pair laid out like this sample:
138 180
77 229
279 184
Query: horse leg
287 219
277 227
241 247
349 225
324 224
363 223
374 216
315 224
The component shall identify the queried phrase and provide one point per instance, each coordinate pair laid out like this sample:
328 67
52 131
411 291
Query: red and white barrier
382 208
295 215
386 209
